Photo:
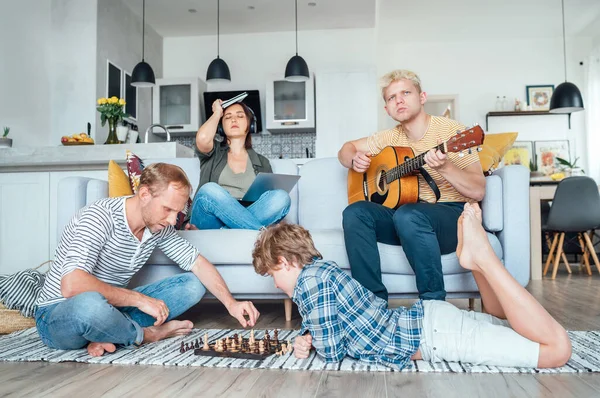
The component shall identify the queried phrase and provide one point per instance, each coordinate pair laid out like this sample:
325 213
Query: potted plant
4 140
570 168
111 110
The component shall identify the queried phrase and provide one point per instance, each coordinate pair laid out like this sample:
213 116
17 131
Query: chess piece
284 348
240 340
261 347
205 347
227 341
276 336
182 348
290 346
196 345
187 347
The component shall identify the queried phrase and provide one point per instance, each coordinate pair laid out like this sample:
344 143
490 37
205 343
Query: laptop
267 181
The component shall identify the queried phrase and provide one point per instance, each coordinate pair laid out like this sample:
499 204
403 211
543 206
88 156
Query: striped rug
25 346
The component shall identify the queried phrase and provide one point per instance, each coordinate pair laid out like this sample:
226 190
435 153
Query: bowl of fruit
77 139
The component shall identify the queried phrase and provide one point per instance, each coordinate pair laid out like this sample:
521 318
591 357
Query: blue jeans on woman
88 317
215 208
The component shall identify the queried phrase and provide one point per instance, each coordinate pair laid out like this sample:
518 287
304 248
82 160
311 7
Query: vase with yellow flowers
111 110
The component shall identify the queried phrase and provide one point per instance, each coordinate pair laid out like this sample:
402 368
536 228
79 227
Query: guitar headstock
465 140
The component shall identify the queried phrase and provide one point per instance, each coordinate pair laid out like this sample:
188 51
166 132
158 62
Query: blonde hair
398 74
290 241
158 176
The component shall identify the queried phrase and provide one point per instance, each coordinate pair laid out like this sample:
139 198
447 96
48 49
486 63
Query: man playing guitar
426 229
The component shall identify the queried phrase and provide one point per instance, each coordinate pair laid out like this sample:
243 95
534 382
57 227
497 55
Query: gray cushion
491 206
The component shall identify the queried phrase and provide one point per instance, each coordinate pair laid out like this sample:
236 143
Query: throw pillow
135 166
493 149
118 183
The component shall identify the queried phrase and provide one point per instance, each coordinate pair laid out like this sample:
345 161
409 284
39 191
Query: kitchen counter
84 157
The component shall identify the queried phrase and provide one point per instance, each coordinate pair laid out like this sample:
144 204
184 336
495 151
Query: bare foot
473 246
169 329
459 234
98 349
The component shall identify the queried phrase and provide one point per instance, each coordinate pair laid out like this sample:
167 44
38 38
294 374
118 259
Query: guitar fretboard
409 166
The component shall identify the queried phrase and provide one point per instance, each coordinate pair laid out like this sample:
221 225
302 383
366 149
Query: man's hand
240 308
436 159
155 308
361 162
302 346
190 227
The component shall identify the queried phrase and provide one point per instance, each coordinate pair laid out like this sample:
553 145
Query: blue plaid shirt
344 318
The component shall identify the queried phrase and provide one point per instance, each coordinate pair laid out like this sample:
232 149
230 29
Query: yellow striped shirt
440 128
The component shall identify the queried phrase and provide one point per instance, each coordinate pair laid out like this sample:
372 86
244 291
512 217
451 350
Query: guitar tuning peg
461 154
479 149
470 152
475 124
457 132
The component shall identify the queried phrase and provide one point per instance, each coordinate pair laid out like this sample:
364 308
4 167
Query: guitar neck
410 165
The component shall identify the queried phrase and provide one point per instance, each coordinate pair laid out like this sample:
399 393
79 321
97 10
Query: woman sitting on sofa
228 166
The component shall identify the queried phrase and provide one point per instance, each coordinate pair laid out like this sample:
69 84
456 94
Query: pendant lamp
296 69
218 71
143 75
566 98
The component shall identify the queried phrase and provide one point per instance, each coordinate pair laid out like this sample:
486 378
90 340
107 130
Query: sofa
317 204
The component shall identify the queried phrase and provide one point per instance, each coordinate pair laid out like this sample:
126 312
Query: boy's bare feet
473 246
98 349
169 329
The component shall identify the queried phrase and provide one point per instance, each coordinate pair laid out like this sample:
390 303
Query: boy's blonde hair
398 74
290 241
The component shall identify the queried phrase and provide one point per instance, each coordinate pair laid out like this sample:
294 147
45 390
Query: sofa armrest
515 236
75 193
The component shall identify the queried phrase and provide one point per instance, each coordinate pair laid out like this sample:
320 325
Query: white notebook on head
267 181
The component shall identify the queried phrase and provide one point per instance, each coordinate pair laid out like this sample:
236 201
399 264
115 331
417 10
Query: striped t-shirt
440 128
98 240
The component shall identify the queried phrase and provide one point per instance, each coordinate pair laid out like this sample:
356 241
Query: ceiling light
143 75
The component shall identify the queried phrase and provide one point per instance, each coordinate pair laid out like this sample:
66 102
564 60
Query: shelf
523 113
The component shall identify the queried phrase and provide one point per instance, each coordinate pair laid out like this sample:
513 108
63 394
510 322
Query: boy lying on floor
340 317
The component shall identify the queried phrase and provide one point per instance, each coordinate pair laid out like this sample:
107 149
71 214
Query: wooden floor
574 300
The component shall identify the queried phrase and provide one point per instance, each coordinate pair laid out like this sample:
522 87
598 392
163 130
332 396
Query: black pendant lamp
566 98
218 71
143 75
296 69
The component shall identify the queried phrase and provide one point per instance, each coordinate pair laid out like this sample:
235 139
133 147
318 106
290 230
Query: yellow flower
99 101
121 101
103 101
114 100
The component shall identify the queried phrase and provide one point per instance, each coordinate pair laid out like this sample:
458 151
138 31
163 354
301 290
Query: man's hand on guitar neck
436 159
361 162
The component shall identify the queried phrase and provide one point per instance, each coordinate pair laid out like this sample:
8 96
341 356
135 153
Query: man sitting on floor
84 301
340 317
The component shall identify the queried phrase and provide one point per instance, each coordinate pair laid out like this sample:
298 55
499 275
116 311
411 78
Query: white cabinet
178 105
24 215
346 108
290 106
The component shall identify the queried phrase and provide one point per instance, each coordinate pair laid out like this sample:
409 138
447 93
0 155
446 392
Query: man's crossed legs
87 319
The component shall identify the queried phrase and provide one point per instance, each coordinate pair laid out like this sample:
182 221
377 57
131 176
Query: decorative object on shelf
571 169
546 153
5 142
122 131
111 110
567 97
538 97
218 71
521 153
142 75
77 139
296 69
518 105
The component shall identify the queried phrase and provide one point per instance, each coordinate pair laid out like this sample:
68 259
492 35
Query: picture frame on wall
546 153
130 94
521 153
113 80
538 97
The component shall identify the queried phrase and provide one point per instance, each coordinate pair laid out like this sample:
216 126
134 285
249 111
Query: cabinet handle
289 123
175 127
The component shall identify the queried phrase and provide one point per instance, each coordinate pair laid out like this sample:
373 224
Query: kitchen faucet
157 125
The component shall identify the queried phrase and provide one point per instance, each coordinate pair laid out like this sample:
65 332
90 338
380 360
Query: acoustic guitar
390 180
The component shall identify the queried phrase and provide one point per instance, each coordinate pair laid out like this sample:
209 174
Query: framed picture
113 80
546 153
130 96
539 96
521 153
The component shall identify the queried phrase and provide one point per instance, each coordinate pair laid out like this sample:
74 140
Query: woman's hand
217 108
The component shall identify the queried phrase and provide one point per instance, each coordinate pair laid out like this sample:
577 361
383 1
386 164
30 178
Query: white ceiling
416 18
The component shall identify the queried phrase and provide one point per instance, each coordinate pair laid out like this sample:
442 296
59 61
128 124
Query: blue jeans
88 317
425 231
215 208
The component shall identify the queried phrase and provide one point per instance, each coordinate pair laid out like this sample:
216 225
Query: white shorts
451 334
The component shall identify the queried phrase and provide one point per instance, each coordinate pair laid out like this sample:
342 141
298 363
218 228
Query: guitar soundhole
381 185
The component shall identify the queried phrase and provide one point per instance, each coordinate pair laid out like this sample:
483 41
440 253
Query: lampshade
566 98
296 69
143 75
218 71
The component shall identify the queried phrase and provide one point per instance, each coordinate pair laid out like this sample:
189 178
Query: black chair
575 208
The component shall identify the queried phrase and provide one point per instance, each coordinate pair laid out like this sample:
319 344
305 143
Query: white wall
24 71
120 41
254 58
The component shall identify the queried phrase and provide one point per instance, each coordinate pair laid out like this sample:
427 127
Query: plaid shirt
344 318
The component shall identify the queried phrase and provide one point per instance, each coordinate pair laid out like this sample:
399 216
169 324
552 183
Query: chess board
239 347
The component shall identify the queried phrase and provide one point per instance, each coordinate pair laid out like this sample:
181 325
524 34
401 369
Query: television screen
252 100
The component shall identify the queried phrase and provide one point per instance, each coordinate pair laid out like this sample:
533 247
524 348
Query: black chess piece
276 335
187 347
182 348
196 345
